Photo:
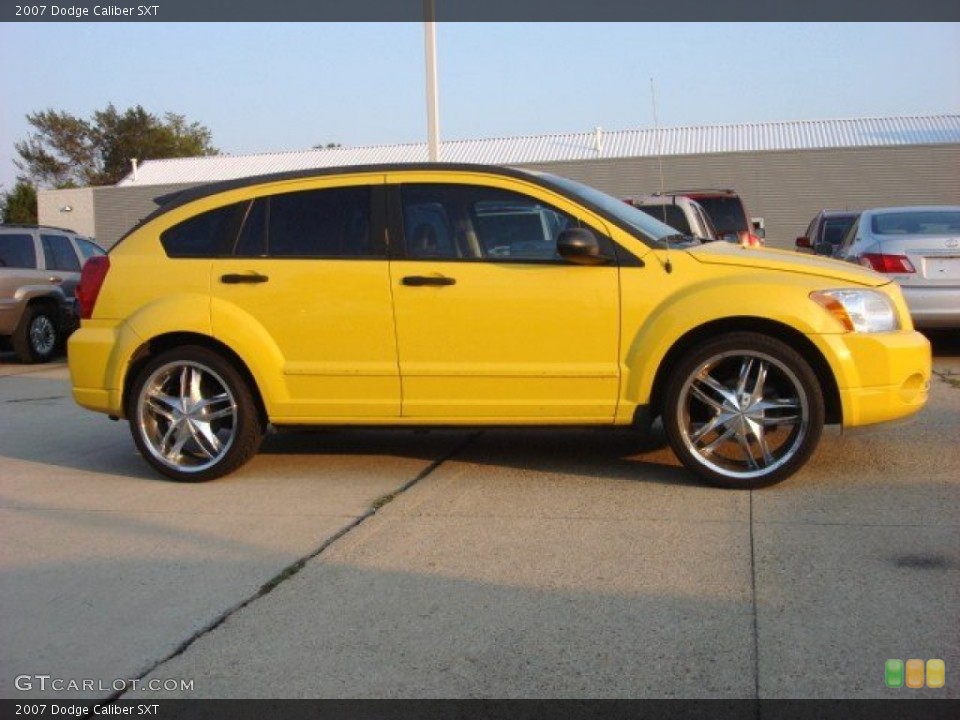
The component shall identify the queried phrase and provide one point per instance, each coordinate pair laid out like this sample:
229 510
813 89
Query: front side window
472 222
17 251
58 253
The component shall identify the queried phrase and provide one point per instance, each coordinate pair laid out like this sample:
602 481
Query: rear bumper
880 377
933 307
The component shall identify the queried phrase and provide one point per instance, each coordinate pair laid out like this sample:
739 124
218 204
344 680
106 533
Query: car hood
724 253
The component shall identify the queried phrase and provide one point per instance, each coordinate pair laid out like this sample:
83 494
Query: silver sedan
919 247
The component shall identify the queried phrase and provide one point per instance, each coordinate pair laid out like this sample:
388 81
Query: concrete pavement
528 564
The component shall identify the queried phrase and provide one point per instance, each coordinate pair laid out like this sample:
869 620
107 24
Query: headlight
865 311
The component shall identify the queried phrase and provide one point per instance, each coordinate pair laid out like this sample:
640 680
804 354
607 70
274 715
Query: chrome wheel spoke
745 368
704 398
747 451
187 416
759 433
757 394
718 441
724 392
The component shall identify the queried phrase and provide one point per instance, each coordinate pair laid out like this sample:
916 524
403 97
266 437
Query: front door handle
55 279
249 278
422 280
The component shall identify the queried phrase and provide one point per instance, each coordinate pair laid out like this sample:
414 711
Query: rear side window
727 213
17 251
88 249
320 223
205 235
58 253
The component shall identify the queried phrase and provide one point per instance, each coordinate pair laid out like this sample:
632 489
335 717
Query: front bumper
880 376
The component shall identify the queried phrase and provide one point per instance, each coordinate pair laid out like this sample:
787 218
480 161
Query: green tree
20 204
66 151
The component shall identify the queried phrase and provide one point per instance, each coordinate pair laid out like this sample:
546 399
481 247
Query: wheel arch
764 326
169 341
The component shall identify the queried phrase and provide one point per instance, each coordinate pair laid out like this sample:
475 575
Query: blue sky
267 87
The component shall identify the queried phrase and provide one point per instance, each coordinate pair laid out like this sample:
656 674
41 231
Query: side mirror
824 248
803 242
580 246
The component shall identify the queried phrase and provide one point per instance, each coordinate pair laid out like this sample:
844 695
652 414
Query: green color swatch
894 673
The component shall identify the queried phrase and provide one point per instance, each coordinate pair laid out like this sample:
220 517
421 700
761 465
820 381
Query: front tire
744 410
37 337
193 416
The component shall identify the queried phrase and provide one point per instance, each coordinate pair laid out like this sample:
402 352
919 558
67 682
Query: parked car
679 212
919 247
39 271
419 295
728 213
826 231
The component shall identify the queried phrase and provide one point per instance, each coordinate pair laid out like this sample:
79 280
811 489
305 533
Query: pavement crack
948 377
36 399
293 568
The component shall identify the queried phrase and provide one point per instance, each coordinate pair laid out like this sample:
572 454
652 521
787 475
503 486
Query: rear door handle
422 280
249 278
55 279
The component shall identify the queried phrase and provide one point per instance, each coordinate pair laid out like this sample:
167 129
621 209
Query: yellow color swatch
914 674
936 673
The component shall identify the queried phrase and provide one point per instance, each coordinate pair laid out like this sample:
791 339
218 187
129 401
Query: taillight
887 263
91 280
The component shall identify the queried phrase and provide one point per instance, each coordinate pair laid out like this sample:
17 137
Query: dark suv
826 231
39 272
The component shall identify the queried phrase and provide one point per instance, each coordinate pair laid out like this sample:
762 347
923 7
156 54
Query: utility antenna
667 265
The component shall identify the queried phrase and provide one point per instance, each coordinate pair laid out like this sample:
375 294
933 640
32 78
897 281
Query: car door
491 324
309 269
60 261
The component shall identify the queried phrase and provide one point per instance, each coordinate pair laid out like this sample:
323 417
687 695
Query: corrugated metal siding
788 188
119 209
747 137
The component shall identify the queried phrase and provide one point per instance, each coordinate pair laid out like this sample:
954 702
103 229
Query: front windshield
650 229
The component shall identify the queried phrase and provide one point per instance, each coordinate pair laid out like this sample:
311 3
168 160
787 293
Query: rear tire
193 416
743 410
37 337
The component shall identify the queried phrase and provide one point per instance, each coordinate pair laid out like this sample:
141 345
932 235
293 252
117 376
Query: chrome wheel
43 335
743 410
187 416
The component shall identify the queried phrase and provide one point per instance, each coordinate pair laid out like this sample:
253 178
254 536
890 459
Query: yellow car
466 295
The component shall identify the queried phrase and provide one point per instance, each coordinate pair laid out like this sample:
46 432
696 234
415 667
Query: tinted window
253 236
917 222
319 223
464 221
208 234
58 253
835 228
726 212
17 251
88 249
669 214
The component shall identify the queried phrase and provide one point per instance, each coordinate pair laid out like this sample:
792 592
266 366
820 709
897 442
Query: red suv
727 212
